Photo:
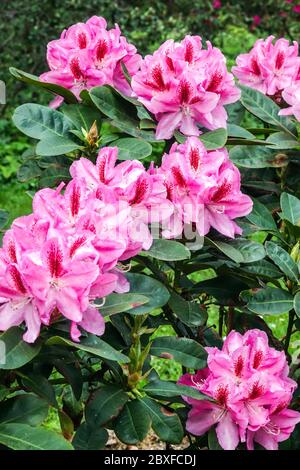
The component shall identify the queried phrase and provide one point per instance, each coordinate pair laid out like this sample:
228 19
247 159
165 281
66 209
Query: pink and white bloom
88 55
185 86
204 188
249 392
269 67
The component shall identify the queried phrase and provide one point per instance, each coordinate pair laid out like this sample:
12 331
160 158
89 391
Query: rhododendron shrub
154 204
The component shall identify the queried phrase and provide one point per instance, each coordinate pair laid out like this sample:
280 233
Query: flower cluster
269 67
184 86
249 392
89 55
64 255
204 188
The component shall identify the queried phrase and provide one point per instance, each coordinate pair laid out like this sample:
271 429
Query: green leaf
283 141
72 374
28 171
106 404
53 145
156 292
81 115
262 268
188 312
51 127
186 351
119 110
164 388
270 301
132 424
17 352
227 249
237 131
90 438
3 218
38 121
18 436
27 409
4 391
290 206
250 251
51 87
38 384
297 304
117 303
214 139
131 148
93 345
166 424
265 109
283 260
261 217
248 156
168 250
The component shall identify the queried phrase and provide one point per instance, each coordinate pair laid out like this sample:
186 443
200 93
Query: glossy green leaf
261 217
82 116
283 260
248 156
26 408
106 404
51 127
270 301
39 385
17 352
154 290
90 438
265 109
214 139
190 313
186 351
164 388
166 424
51 87
93 345
133 423
283 141
122 113
290 206
117 303
297 304
130 148
251 251
168 250
19 436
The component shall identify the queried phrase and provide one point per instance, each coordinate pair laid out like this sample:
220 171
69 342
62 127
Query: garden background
26 28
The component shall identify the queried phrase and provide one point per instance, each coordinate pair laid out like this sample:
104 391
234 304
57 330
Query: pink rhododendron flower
204 188
249 389
88 55
216 4
296 8
185 86
292 97
256 20
269 67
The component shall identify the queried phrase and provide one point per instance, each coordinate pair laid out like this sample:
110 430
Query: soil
151 442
